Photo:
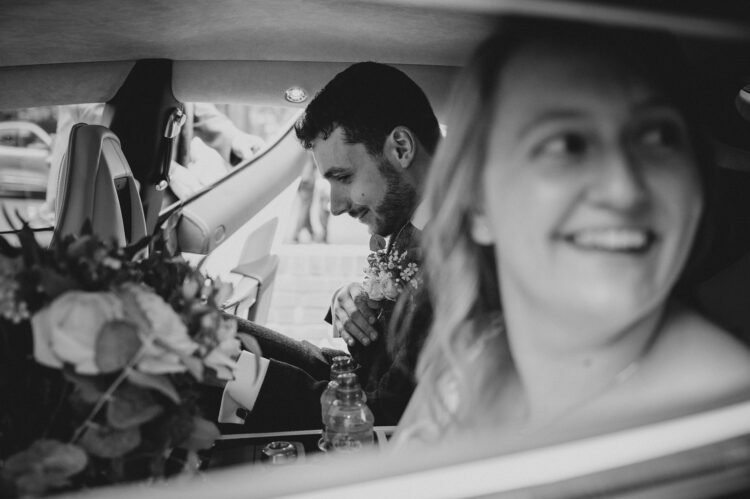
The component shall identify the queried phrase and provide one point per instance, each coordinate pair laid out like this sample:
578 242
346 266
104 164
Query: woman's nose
620 181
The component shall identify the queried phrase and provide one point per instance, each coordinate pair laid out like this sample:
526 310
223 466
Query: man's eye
342 178
566 144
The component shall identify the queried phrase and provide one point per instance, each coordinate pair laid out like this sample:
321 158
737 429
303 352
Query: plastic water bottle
341 364
349 422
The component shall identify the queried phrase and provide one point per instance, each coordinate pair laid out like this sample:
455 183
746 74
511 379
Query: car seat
97 187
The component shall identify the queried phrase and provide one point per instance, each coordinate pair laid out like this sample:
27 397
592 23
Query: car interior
105 195
145 60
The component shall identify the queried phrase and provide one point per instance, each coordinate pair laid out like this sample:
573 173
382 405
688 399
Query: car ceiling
68 41
283 30
395 31
56 52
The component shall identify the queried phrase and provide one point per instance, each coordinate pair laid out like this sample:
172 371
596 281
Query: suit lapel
407 239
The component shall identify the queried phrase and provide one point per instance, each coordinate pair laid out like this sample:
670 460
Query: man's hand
354 315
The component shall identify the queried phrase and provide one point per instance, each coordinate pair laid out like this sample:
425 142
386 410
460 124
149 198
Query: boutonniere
388 273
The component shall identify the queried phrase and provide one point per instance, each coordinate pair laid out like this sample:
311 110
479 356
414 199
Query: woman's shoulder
705 355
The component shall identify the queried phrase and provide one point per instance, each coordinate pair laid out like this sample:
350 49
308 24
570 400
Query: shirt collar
421 216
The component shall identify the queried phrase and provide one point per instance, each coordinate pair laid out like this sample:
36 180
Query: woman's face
591 190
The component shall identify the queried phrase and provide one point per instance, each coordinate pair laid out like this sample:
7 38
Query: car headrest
97 186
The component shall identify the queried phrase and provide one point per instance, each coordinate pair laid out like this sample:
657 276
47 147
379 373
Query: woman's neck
564 366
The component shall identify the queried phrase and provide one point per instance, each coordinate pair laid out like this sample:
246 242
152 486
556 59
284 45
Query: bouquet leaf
131 407
137 248
54 283
109 443
202 437
377 243
32 252
160 383
46 465
116 344
194 365
88 388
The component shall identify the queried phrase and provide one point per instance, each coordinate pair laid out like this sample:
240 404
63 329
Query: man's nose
339 201
620 181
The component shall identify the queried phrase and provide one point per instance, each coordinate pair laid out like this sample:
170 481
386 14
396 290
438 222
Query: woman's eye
661 135
568 144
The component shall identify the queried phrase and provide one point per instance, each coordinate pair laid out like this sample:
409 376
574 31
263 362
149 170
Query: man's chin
373 227
374 230
378 226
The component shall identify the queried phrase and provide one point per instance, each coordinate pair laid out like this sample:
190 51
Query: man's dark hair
368 100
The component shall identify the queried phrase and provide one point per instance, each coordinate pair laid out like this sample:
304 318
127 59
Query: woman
571 185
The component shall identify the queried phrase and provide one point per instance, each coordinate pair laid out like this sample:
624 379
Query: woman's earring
480 230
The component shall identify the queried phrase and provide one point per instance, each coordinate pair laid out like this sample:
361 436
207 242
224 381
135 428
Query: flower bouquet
104 353
388 274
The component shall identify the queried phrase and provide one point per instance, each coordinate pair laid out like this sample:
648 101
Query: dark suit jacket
298 373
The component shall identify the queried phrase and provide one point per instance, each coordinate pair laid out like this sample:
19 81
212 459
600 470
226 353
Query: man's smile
359 214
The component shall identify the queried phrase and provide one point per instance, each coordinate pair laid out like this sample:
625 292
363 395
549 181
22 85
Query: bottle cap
279 452
342 364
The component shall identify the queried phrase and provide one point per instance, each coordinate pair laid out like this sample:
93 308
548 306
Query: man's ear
401 146
480 229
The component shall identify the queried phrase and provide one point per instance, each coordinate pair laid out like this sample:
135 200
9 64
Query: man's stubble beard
398 204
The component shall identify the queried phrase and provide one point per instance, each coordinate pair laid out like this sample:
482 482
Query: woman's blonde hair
461 274
467 348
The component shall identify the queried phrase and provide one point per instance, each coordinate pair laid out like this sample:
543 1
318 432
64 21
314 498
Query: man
372 134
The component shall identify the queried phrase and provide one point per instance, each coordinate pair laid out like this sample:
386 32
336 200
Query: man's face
365 186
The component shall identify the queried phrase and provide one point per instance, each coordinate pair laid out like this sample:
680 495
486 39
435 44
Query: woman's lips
612 239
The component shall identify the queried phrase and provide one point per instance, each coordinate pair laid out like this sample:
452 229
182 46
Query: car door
222 220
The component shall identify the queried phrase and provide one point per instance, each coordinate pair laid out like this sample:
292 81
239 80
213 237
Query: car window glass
33 142
27 137
8 138
32 145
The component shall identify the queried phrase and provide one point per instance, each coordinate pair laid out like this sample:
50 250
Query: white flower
66 330
222 358
390 289
165 337
373 288
387 274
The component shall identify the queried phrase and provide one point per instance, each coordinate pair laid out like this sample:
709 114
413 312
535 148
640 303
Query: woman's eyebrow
657 103
550 115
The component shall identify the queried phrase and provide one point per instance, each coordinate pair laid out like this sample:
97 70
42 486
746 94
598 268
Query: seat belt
172 129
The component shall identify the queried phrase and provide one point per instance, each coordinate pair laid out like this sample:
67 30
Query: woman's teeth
624 240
